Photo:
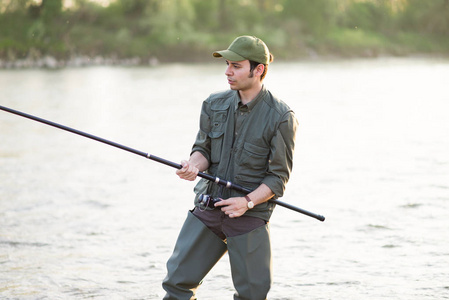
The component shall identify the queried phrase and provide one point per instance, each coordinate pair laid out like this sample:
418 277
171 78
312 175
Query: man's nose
228 71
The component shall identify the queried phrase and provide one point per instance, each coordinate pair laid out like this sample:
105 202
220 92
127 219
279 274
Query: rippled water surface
80 219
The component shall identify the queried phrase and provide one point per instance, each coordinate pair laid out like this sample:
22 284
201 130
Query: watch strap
250 204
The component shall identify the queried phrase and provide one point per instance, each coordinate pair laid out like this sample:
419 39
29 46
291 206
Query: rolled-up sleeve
281 156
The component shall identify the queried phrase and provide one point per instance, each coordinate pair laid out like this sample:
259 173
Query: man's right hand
188 171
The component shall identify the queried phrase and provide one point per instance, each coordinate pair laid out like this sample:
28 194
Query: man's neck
247 96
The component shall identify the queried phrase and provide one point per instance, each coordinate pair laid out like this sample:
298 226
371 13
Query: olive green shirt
247 145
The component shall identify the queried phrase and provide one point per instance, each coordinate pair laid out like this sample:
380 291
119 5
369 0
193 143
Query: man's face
239 75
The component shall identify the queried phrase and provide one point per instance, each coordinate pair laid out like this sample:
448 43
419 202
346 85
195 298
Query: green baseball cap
246 47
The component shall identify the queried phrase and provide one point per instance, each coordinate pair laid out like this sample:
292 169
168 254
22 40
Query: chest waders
198 249
250 259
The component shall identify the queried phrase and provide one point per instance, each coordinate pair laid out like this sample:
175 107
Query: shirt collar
253 102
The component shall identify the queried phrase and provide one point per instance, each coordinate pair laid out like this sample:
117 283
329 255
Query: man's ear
259 69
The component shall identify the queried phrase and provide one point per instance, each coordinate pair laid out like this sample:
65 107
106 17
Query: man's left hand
233 207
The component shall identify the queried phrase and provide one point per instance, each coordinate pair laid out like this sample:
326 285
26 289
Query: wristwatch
250 203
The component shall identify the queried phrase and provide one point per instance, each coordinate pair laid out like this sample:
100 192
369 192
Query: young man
246 136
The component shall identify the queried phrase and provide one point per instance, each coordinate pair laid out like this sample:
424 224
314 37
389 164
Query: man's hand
188 171
233 207
237 206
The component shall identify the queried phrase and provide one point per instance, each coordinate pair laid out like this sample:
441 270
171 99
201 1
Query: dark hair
254 64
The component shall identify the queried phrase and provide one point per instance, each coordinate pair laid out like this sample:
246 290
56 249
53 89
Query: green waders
250 258
196 251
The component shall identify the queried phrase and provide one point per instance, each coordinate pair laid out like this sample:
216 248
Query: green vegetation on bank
186 30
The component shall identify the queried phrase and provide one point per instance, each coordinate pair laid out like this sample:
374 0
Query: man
246 136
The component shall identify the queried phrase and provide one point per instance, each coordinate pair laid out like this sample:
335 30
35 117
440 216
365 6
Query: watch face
250 204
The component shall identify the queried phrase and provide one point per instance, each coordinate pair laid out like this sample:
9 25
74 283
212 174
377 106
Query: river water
80 219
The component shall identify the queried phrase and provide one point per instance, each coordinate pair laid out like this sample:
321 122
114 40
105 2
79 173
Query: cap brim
229 55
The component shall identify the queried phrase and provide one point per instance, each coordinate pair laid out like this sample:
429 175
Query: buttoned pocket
253 162
219 116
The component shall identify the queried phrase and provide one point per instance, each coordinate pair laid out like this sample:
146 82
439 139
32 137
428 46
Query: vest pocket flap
257 150
215 134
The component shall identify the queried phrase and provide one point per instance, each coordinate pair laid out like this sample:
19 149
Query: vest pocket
253 162
216 143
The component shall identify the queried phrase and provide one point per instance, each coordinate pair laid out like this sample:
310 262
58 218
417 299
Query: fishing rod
209 177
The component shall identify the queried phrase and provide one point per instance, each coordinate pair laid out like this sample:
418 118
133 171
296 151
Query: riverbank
130 33
340 44
50 62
